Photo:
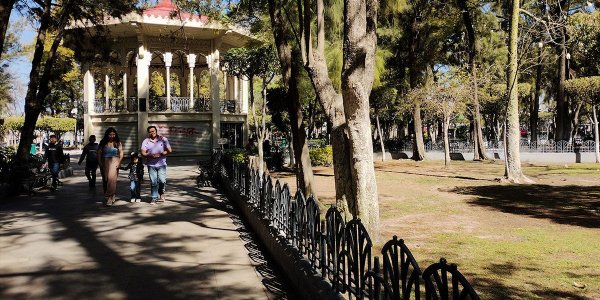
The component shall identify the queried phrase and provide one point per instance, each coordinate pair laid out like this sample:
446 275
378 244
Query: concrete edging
297 269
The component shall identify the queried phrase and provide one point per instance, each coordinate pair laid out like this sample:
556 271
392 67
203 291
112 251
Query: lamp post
568 65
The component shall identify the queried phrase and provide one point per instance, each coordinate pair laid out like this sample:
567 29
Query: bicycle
203 178
40 179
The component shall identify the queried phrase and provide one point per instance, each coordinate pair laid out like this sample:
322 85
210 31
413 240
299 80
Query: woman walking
110 154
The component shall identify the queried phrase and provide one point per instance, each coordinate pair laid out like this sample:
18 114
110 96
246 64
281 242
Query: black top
54 153
136 171
89 153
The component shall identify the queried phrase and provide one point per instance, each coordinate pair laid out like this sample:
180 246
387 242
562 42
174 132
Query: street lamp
568 68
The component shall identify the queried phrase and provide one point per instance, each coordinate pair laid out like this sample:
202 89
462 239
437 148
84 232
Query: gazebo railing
179 104
116 105
132 104
202 104
230 106
99 105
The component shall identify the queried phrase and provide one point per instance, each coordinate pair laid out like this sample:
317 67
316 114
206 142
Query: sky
21 67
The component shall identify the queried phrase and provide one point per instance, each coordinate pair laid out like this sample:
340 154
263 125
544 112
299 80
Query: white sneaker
132 200
138 200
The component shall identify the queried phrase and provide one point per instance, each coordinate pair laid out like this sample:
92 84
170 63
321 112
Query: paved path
67 245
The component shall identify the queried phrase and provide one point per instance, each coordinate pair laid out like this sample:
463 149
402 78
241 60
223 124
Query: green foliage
584 39
237 155
251 62
13 123
57 125
584 89
157 84
322 156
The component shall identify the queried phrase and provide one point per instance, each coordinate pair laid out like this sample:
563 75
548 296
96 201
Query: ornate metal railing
548 146
132 104
229 106
340 251
179 104
157 104
99 105
116 105
202 104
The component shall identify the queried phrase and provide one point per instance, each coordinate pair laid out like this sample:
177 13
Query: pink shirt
156 147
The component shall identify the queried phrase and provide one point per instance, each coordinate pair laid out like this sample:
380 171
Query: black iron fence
546 146
341 251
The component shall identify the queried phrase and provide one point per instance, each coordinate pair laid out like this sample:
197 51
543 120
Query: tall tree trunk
446 123
480 152
596 137
33 107
513 171
534 116
562 107
288 58
418 144
6 7
360 42
380 138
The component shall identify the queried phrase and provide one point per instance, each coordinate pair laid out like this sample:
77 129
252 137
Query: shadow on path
72 247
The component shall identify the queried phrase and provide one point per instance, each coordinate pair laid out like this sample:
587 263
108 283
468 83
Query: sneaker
153 202
138 200
132 200
162 198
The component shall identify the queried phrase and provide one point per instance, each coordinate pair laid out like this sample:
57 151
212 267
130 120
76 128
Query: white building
199 103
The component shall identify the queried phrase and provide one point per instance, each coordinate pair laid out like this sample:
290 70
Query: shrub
237 155
321 156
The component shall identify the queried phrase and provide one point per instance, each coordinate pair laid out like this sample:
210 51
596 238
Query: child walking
136 175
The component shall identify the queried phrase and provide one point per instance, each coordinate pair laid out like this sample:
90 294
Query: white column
126 105
89 91
227 91
244 97
88 97
143 78
213 64
192 63
168 60
236 89
106 91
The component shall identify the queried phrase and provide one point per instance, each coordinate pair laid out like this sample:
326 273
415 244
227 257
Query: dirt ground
538 241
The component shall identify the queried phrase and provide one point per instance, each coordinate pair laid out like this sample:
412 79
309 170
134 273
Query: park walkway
67 245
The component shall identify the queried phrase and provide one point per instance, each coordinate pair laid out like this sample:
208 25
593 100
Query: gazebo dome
167 9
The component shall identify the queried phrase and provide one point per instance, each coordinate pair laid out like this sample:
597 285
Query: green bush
321 156
238 155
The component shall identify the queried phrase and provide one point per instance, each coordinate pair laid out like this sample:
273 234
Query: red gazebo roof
168 9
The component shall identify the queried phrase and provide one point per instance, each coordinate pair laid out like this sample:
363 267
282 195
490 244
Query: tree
479 146
348 111
445 98
6 7
587 89
513 171
250 63
53 19
288 54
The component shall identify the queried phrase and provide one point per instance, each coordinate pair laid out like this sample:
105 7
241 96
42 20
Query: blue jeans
54 169
158 180
134 187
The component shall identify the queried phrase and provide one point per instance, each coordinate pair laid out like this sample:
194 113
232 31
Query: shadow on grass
572 205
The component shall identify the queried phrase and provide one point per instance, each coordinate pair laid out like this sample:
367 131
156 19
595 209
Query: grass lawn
539 241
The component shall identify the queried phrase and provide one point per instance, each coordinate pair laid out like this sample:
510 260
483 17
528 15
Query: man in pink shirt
155 149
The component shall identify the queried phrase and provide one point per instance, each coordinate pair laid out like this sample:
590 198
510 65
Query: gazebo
165 71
